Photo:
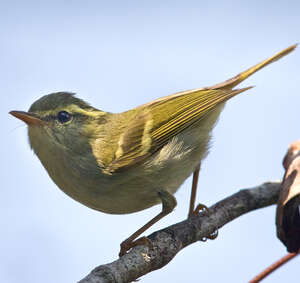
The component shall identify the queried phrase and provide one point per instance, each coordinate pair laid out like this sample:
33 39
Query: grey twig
169 241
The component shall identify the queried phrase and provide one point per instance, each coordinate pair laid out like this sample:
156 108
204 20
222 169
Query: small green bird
130 161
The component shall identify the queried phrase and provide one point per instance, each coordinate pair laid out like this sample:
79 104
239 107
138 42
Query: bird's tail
231 83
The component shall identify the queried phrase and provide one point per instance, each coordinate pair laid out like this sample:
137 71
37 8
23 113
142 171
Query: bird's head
62 120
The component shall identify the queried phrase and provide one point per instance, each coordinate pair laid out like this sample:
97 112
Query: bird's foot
212 236
201 208
128 244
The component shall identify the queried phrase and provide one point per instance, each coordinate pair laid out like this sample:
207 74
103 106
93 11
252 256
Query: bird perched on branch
130 161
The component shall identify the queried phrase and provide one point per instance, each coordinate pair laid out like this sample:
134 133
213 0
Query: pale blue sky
117 55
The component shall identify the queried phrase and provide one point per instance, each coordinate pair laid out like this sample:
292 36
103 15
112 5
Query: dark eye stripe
73 115
49 118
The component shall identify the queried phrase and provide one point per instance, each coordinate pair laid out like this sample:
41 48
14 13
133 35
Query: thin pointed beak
29 118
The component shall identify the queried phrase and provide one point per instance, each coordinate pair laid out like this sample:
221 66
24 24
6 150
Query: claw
127 245
201 208
213 235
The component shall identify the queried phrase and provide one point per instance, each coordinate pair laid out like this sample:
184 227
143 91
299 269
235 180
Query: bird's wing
154 125
158 121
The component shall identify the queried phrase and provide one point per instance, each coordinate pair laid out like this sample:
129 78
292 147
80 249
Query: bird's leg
168 204
200 207
194 191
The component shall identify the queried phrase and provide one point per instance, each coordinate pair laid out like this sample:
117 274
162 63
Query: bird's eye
64 116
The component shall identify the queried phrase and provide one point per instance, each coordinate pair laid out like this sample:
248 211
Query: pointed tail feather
231 83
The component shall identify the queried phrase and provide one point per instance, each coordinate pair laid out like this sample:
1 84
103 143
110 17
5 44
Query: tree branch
169 241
